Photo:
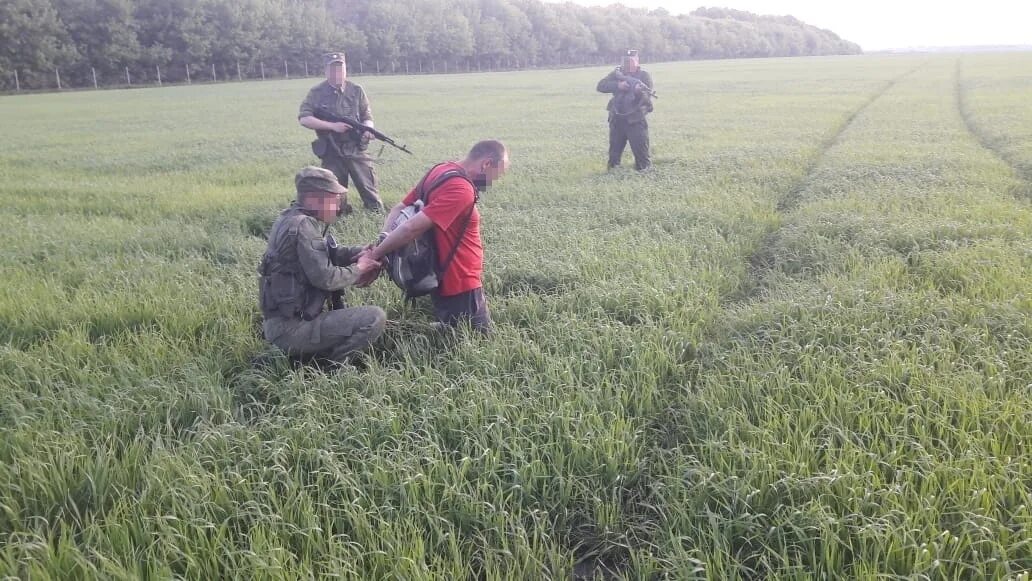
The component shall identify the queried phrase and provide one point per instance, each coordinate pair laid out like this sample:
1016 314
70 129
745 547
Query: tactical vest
283 288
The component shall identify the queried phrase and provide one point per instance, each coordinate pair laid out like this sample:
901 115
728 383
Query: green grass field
801 347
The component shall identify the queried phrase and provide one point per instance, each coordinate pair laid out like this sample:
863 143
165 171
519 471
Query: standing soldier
341 147
301 270
632 100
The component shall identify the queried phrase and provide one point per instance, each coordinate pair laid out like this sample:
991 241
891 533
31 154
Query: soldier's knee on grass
377 322
369 323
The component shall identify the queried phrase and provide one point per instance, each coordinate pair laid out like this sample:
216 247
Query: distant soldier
342 148
632 100
302 269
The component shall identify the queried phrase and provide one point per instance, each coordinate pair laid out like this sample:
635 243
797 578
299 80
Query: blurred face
630 63
323 205
336 73
489 171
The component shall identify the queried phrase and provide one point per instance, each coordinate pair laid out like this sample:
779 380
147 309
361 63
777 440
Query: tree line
223 38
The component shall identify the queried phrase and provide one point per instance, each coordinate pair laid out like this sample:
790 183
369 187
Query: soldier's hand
368 278
366 264
340 127
623 85
368 270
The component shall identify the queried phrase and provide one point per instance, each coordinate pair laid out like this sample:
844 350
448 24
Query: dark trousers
469 306
637 133
360 170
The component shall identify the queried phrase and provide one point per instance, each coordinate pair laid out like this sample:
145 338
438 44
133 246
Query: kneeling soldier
300 272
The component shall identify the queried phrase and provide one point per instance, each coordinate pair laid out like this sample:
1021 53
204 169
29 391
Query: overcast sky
882 24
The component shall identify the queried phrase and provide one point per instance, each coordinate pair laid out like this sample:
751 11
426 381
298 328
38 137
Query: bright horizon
880 24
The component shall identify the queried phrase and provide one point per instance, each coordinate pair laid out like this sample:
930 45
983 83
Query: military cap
334 57
317 179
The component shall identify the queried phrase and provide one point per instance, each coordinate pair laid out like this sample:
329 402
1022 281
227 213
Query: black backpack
414 267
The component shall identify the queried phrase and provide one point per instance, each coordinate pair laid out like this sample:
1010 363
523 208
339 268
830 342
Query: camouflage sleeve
307 106
608 84
347 255
365 111
315 260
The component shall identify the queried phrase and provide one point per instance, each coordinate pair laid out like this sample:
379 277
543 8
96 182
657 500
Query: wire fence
85 77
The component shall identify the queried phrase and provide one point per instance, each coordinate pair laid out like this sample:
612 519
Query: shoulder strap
424 190
458 240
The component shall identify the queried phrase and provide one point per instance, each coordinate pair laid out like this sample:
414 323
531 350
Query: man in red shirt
451 211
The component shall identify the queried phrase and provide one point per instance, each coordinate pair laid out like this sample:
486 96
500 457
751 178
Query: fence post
420 66
433 66
213 79
158 69
286 71
262 63
57 73
360 71
306 68
188 81
377 66
239 78
17 84
128 81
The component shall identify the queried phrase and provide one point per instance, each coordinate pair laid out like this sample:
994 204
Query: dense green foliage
800 347
252 37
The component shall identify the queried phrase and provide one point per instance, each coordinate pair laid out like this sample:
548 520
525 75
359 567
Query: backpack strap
458 240
424 190
422 183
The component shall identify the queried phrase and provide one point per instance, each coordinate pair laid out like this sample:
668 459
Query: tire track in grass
1022 173
791 199
642 505
759 260
667 436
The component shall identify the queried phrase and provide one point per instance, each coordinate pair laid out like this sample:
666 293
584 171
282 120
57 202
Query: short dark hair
489 148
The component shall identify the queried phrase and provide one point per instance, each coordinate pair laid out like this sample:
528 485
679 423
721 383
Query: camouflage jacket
347 101
627 105
299 271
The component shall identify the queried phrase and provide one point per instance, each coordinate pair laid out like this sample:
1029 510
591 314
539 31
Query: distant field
800 347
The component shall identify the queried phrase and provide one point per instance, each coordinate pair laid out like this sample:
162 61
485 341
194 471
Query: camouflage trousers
359 169
635 132
333 334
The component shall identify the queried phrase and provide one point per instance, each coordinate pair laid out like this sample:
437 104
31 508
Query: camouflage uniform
345 153
299 272
627 110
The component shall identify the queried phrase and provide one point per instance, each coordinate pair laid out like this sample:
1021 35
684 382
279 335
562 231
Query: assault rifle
636 84
357 128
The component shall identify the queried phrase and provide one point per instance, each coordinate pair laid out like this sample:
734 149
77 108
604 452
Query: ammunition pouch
321 146
285 294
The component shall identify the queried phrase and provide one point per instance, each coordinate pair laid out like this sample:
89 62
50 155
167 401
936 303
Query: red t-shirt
447 208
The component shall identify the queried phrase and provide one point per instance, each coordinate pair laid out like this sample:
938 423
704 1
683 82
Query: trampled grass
800 347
